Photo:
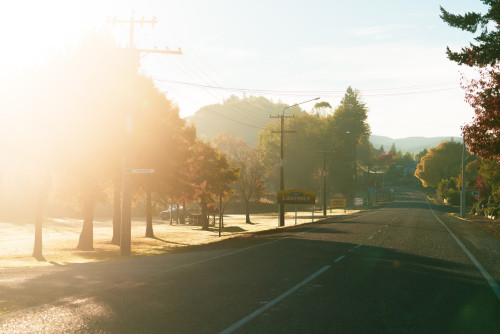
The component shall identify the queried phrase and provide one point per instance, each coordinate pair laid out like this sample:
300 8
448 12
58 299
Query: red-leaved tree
483 134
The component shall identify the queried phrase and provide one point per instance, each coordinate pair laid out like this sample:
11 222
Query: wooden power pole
126 219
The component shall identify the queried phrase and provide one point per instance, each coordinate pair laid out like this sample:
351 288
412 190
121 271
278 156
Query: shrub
453 197
493 210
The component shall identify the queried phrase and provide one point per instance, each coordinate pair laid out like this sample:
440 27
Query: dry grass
60 237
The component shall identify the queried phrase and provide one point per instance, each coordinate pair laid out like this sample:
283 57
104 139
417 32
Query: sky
392 51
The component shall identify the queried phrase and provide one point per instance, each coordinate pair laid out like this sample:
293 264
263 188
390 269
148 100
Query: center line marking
254 314
340 258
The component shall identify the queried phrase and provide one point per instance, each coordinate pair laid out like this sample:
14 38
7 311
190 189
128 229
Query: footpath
60 237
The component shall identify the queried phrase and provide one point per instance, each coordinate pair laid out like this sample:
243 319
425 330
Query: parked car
165 214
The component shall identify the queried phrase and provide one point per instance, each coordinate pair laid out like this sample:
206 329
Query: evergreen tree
349 131
487 49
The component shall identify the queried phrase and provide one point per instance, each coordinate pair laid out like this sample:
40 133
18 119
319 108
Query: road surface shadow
424 206
372 290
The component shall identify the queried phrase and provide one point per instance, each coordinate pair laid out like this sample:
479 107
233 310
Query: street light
282 156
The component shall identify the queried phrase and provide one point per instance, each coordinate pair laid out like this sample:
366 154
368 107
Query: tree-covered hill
246 116
410 144
242 116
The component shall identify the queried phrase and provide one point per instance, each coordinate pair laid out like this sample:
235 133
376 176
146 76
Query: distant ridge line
410 144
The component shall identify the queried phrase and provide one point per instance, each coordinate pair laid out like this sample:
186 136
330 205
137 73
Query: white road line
370 237
340 258
379 231
275 301
387 225
491 281
360 245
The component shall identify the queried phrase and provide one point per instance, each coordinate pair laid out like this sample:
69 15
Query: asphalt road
405 268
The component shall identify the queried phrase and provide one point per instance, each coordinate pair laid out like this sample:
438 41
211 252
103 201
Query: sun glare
33 31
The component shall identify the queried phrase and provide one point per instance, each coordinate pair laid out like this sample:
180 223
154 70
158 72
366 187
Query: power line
373 92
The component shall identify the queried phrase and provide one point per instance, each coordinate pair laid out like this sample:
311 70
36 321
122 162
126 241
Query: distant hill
411 144
244 117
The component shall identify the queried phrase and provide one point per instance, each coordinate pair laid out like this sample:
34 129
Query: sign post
339 203
296 196
476 194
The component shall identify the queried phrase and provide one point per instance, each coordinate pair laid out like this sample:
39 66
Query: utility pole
282 162
462 194
126 219
132 22
282 155
220 210
323 172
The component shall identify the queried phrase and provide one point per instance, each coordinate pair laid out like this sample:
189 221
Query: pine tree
487 49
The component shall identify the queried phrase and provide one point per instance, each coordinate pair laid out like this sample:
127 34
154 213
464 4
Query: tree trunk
222 220
42 197
117 210
149 215
86 241
177 213
183 215
204 216
247 211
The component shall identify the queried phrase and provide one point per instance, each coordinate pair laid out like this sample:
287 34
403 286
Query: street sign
296 196
475 193
338 203
142 171
358 201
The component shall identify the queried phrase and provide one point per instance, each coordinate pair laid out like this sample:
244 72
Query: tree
322 109
487 49
349 130
440 163
250 182
159 141
421 154
40 204
88 95
343 135
302 156
212 174
385 159
489 171
483 134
